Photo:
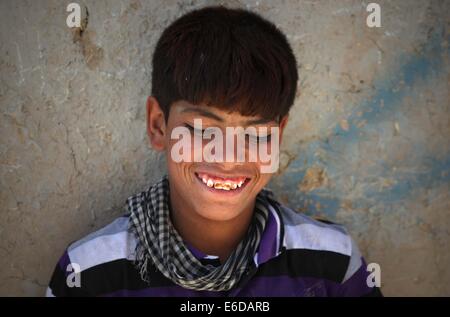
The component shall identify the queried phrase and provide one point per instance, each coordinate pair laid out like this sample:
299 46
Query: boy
209 228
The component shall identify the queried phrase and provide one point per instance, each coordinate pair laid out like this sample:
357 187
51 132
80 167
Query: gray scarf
160 244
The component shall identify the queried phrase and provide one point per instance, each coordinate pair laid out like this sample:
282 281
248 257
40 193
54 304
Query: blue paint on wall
414 69
417 66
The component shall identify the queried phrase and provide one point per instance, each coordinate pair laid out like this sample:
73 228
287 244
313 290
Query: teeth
218 185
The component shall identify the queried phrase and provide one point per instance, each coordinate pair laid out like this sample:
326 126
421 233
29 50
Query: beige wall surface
367 144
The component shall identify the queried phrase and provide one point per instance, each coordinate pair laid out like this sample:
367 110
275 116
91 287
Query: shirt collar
272 238
269 247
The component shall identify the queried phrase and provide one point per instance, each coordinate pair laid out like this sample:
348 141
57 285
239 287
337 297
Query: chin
219 212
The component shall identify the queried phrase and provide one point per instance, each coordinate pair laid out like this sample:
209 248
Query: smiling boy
209 228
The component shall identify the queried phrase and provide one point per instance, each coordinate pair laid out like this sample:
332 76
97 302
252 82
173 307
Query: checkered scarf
160 244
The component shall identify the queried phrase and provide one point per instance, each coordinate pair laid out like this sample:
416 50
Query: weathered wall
367 144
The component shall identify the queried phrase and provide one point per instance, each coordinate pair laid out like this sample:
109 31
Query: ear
156 124
283 123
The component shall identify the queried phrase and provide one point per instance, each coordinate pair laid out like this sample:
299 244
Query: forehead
185 109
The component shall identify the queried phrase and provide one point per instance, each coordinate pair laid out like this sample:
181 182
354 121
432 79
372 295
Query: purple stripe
356 285
172 291
195 252
276 286
285 286
63 262
268 245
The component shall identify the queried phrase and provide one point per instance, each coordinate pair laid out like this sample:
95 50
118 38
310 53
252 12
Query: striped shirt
297 256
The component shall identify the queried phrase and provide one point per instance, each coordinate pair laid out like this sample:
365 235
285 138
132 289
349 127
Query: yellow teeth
224 186
220 186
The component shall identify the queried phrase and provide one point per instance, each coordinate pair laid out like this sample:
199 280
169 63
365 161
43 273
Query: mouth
222 184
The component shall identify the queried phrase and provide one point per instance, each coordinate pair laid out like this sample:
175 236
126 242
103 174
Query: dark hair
232 59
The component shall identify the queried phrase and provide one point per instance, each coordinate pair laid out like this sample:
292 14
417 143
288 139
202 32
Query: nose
227 167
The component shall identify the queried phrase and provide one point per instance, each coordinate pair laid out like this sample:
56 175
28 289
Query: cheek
259 179
174 165
263 179
180 174
190 148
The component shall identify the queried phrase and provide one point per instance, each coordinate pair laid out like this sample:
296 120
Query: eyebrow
211 115
202 112
258 121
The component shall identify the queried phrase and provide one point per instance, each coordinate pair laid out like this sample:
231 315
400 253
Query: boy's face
217 190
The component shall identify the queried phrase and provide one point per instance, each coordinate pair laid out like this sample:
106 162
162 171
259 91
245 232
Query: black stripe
307 263
116 275
122 274
58 282
375 292
59 287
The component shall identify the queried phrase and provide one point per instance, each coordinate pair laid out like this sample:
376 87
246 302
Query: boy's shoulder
110 243
324 249
304 232
115 241
323 242
102 256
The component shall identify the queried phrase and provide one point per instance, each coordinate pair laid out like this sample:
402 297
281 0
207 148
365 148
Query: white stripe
103 249
312 237
118 225
355 262
277 219
49 293
293 218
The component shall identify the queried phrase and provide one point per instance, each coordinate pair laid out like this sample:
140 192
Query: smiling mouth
231 184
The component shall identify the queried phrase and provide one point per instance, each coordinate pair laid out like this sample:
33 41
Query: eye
260 139
194 130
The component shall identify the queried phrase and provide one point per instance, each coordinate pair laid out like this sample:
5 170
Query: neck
209 236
